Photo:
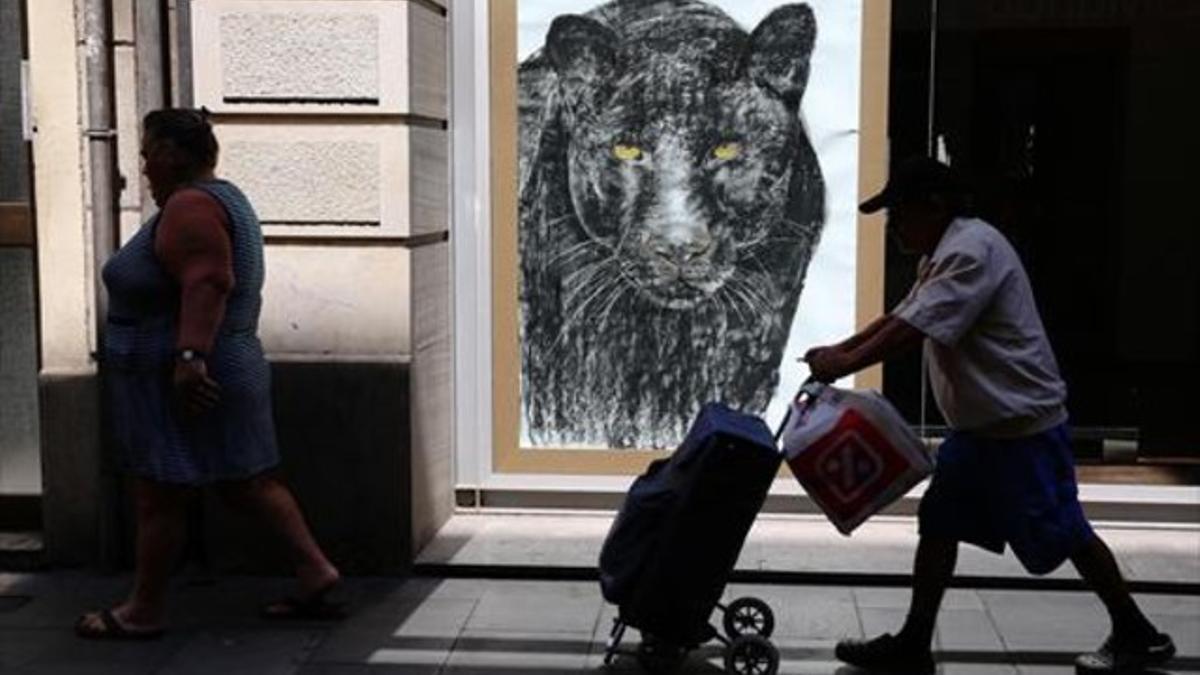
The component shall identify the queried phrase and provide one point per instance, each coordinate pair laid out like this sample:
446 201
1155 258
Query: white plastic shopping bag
852 452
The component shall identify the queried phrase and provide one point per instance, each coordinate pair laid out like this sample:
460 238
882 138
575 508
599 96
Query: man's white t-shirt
990 363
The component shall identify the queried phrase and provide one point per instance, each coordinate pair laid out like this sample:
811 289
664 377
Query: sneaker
1117 656
887 654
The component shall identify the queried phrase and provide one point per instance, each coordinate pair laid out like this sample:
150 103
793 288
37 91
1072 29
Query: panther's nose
684 252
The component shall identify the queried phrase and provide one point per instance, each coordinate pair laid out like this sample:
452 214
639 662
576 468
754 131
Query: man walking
1005 474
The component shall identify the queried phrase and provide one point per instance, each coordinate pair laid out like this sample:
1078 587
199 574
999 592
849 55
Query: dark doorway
1078 128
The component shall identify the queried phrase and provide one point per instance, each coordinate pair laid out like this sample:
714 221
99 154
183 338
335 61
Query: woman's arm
193 244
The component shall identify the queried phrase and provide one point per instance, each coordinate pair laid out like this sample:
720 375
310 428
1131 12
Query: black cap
914 178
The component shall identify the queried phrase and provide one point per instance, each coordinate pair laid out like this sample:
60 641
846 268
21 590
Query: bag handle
808 392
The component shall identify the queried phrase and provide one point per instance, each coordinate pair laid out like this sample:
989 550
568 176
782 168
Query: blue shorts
1020 492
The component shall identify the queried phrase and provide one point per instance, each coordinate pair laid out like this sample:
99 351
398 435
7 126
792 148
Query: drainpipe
102 160
152 83
102 141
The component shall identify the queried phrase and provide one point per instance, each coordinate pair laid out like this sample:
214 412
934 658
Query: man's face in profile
915 225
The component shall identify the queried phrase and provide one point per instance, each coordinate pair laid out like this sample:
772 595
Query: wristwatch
189 355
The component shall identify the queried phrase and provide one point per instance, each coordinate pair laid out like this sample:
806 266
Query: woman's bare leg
269 499
161 529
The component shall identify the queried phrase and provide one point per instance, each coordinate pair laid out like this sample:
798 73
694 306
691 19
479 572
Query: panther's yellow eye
627 153
727 150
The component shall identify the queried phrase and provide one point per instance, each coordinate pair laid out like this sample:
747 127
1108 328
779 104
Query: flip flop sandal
111 629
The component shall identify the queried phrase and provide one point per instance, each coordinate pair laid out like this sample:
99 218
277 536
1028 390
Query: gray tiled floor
432 626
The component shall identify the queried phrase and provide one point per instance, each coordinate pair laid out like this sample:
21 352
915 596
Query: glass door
20 462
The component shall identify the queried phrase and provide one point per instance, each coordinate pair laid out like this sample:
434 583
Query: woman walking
187 382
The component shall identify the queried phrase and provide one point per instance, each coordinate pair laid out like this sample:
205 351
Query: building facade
385 145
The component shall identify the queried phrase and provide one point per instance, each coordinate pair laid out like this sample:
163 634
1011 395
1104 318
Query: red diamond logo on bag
849 467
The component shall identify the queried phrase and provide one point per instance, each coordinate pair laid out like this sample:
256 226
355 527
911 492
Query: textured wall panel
309 181
319 57
300 57
328 179
336 301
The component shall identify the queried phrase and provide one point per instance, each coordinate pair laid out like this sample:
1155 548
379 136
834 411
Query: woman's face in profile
165 166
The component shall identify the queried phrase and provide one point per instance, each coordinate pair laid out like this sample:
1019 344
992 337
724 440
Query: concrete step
21 551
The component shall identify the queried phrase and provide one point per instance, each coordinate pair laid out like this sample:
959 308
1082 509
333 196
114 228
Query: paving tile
826 666
57 600
806 612
357 645
21 647
1027 621
899 598
83 669
260 652
538 652
425 588
390 614
368 669
878 621
508 669
965 629
1184 631
53 650
810 543
332 669
1156 553
226 602
600 637
435 618
538 607
1169 605
31 583
405 636
407 659
416 635
952 668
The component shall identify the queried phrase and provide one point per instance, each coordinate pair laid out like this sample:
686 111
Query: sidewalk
499 627
804 544
542 628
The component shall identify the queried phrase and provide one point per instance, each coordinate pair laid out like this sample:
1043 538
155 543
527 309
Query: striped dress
236 439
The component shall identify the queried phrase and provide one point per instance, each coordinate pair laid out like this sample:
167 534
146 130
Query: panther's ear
582 51
778 54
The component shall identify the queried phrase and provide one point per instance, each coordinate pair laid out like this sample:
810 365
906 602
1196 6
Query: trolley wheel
657 656
752 655
748 616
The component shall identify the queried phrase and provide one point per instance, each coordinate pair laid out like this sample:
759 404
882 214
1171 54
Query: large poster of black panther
672 199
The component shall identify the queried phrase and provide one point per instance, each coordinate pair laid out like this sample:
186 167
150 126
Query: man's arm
858 339
887 337
853 341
